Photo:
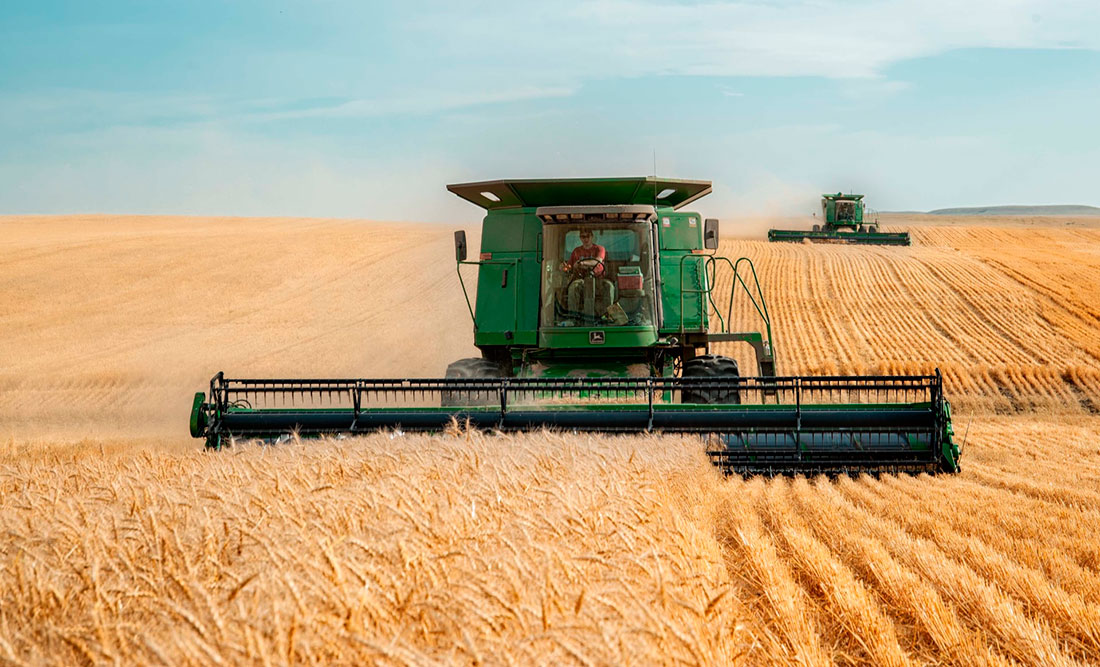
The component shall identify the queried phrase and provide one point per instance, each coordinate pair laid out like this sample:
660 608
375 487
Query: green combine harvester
843 216
596 311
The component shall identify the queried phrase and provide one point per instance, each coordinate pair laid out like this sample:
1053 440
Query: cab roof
843 197
535 192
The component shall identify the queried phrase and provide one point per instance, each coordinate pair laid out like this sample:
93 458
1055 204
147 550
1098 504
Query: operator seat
591 295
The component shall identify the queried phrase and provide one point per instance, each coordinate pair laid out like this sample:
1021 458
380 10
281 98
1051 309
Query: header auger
593 311
843 222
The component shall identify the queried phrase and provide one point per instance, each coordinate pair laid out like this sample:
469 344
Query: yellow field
1011 316
123 542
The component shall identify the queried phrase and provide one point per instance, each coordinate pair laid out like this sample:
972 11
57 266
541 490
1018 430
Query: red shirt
595 251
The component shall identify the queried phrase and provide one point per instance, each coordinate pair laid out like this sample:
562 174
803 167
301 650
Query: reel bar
772 423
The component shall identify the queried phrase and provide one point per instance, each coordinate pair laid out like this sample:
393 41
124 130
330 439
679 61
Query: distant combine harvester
843 223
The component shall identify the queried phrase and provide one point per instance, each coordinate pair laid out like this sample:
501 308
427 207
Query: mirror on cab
710 233
460 245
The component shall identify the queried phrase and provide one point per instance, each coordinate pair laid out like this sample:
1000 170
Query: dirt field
123 542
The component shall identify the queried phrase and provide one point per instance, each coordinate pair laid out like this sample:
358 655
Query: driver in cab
587 250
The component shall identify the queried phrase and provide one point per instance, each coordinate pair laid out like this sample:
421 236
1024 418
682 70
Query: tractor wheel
861 229
468 369
817 228
872 229
710 366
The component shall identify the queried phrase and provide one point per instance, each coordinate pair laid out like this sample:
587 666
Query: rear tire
468 369
710 366
873 229
817 228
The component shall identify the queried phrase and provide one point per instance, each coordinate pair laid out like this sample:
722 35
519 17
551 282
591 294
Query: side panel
681 242
508 279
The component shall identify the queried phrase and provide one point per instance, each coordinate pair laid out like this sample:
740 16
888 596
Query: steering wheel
589 268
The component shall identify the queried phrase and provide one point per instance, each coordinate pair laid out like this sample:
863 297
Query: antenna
654 177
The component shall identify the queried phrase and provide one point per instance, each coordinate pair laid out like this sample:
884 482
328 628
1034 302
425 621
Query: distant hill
1053 209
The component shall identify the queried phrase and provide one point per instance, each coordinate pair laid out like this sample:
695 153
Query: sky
367 110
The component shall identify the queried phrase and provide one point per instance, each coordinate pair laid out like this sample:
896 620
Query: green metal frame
798 430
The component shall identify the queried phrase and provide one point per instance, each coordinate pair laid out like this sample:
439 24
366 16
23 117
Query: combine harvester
843 216
594 305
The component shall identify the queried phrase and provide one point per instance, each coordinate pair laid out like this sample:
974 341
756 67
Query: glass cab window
597 274
845 211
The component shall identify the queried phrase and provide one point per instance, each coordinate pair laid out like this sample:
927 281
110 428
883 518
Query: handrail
706 294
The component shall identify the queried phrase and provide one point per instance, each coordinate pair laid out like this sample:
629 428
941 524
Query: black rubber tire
710 366
860 229
474 367
872 229
817 228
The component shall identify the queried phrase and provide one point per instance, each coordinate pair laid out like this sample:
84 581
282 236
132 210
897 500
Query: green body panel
612 337
841 210
506 311
507 306
679 230
682 276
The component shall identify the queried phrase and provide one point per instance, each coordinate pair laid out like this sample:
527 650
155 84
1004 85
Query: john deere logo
595 338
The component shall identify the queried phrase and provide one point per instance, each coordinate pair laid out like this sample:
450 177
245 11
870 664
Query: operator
587 250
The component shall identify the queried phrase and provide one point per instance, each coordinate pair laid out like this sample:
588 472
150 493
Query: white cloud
612 38
455 56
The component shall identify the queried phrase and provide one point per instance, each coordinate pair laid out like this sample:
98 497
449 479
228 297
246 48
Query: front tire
711 367
469 369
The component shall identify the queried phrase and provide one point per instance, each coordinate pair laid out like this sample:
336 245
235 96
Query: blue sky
366 110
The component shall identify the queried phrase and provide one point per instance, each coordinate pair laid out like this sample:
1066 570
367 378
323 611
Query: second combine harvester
596 311
842 222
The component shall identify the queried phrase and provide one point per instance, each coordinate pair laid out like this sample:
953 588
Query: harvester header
596 310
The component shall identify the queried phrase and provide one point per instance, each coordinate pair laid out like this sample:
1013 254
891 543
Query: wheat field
122 542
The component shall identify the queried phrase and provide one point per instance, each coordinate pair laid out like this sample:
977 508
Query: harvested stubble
1008 315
